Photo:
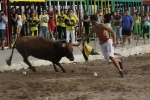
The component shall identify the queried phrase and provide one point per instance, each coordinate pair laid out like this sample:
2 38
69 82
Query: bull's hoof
8 62
64 71
33 69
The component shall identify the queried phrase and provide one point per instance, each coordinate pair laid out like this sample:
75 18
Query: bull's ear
63 44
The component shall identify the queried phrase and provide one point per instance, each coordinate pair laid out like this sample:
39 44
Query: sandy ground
79 83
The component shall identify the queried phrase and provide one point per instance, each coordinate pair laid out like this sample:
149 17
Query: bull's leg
55 67
29 64
61 67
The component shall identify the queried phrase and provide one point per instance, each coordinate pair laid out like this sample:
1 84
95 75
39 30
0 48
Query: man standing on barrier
106 44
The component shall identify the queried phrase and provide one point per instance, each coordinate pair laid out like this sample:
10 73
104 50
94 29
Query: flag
88 50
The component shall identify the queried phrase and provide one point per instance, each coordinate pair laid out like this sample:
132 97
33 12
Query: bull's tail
8 61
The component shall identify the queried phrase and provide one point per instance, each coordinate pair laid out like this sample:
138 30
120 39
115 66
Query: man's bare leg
51 33
116 63
124 39
129 40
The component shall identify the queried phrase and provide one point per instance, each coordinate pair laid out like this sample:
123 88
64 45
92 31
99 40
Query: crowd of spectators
50 24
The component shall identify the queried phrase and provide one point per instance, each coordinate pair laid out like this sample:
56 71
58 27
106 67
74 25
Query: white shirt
146 22
19 20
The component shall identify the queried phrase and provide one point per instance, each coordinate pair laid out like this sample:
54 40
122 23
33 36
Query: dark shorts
2 34
126 31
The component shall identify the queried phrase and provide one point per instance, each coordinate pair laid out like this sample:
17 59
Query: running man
106 44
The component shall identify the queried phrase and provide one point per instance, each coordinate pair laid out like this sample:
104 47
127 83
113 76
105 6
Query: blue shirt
127 22
99 20
2 23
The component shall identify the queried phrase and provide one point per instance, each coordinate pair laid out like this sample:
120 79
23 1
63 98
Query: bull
42 48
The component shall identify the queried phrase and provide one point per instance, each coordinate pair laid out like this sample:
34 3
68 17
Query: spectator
19 21
62 26
33 22
137 25
56 22
127 26
3 21
14 23
107 18
51 23
77 21
101 17
44 24
100 11
28 16
35 12
98 17
23 31
86 24
146 26
66 12
70 27
118 29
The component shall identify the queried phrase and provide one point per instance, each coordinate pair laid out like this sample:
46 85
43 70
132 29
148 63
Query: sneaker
121 64
53 39
121 73
76 44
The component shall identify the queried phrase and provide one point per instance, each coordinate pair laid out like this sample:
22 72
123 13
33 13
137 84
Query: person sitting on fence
33 23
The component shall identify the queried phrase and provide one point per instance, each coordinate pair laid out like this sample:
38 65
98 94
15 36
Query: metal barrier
131 5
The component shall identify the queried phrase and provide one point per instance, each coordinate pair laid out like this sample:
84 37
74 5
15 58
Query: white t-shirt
146 22
19 20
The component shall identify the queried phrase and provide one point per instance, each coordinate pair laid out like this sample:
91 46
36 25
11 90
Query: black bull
42 48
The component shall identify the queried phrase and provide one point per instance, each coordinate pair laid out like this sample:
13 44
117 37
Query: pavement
17 58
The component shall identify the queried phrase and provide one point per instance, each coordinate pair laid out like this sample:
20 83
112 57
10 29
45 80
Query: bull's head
68 50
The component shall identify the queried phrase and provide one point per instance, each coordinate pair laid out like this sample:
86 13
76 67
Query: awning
27 0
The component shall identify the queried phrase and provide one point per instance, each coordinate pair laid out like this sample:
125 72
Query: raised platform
17 61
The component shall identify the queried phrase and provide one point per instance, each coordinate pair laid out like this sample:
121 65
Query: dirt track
79 83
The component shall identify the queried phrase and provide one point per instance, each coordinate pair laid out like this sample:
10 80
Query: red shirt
51 19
